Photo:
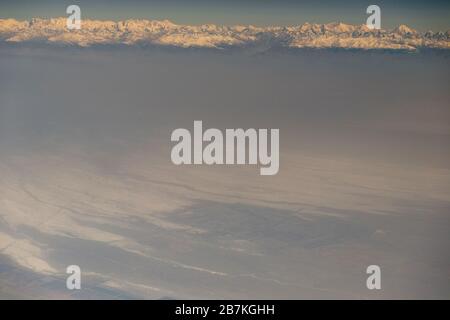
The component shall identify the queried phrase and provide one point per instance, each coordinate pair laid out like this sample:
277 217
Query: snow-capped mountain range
166 33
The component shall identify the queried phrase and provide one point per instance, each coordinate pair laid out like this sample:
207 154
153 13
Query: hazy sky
420 14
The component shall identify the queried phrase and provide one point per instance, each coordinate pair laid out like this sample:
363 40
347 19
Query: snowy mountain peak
167 33
404 29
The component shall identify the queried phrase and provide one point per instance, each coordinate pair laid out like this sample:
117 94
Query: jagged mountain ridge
166 33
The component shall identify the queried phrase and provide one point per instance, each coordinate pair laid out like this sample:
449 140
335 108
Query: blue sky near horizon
419 14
